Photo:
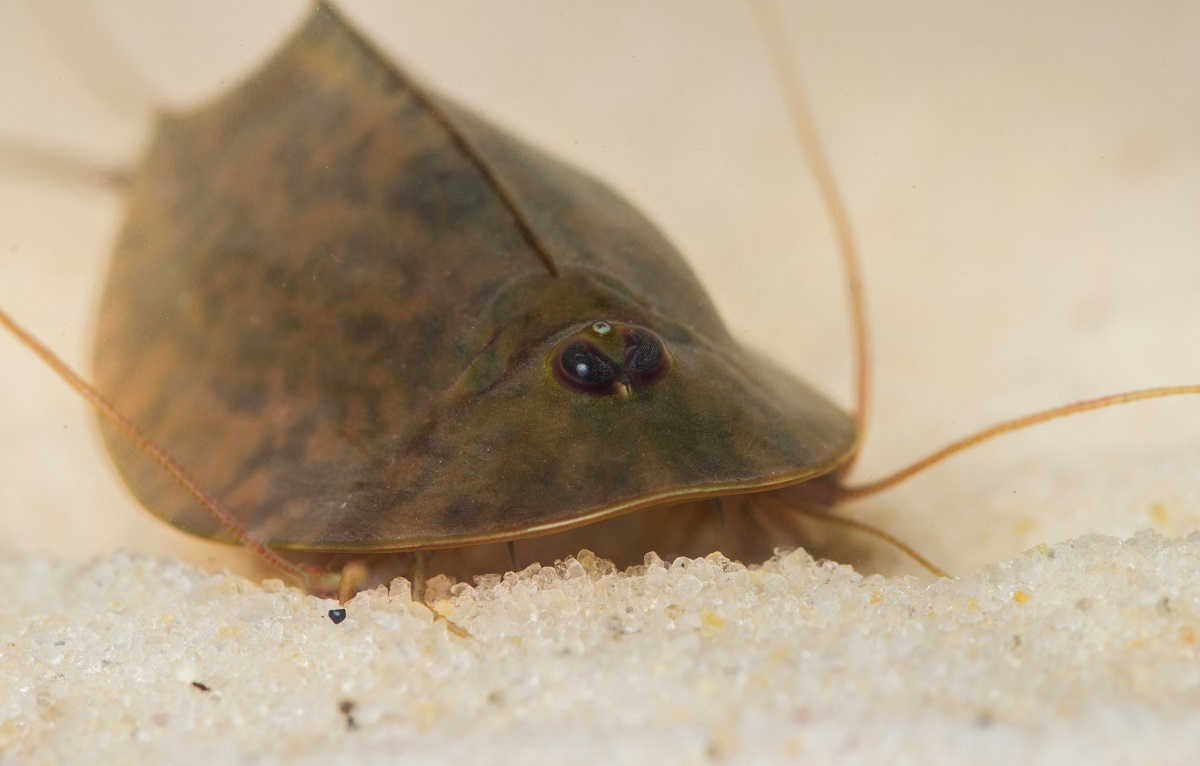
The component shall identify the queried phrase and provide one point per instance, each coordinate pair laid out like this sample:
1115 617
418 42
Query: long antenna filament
1008 426
109 413
804 127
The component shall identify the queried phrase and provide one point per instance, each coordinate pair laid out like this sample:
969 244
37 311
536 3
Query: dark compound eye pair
608 359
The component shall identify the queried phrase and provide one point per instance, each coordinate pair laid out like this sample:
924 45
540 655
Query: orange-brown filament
169 464
859 526
1008 426
787 74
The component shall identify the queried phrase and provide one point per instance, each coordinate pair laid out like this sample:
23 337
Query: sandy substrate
1085 651
1022 179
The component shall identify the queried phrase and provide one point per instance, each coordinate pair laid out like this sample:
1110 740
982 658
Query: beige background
1023 178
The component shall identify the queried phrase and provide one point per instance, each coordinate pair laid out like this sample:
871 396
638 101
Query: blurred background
1023 179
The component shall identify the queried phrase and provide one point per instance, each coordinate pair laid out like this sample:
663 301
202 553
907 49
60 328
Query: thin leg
419 571
354 574
718 507
513 564
842 521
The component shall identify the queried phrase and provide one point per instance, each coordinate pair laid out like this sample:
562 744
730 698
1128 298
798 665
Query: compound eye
646 358
585 368
609 358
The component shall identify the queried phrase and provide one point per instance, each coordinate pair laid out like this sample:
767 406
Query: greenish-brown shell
333 302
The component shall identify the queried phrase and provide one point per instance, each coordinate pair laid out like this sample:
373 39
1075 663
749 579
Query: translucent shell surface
366 320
